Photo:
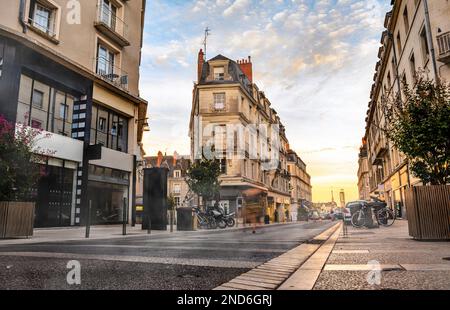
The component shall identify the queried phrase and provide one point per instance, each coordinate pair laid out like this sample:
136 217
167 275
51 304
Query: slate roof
234 70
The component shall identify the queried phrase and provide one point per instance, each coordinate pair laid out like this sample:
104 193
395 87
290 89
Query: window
412 64
109 129
102 124
38 98
389 80
1 66
424 44
45 107
105 62
399 44
63 108
176 188
177 174
42 17
219 73
219 101
108 14
223 166
406 19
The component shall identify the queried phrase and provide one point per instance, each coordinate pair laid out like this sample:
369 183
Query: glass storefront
54 194
108 191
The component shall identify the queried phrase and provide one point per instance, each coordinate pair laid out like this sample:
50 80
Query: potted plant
19 171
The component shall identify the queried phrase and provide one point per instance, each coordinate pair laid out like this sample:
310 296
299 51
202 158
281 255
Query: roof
233 69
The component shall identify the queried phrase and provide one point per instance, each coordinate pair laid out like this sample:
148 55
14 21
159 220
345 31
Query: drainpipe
21 13
430 39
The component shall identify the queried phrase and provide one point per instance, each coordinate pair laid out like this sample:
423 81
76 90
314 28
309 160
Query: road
185 261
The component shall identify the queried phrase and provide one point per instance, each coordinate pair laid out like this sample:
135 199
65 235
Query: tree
19 158
420 128
203 178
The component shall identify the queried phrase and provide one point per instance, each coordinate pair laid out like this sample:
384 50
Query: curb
278 273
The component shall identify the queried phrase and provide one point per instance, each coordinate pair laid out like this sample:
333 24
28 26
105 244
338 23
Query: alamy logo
237 141
74 275
374 275
73 16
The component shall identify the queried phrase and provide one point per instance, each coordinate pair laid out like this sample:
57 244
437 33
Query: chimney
247 68
201 61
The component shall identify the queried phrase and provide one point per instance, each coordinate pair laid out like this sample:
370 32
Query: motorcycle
218 215
229 219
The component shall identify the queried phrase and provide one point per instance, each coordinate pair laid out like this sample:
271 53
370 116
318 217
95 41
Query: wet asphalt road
191 260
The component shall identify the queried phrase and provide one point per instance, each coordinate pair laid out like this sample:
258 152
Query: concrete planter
428 209
16 219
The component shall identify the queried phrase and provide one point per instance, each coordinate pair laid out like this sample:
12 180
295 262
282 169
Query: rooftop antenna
207 34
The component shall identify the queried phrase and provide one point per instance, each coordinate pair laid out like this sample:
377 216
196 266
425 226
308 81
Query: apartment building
417 38
363 173
300 184
233 117
177 186
71 69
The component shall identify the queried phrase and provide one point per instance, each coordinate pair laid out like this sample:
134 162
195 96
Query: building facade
228 110
363 173
417 38
299 185
71 69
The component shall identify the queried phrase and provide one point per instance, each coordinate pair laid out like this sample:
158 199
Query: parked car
343 214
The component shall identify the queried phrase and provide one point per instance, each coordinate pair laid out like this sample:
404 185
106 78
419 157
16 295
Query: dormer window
219 73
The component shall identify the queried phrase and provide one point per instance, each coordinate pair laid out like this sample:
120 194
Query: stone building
71 69
300 184
417 38
233 120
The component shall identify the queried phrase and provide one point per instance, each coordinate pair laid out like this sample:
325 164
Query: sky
314 59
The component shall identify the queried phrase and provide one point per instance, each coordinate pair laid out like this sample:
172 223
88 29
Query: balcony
111 73
109 24
443 41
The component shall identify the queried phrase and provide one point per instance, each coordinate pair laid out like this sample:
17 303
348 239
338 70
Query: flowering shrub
19 160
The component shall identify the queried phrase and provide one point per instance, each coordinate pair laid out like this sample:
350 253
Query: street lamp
145 125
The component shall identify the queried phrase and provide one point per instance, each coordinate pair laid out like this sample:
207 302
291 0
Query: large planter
16 219
428 209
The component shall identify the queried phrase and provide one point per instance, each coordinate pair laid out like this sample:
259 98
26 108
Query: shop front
108 194
54 194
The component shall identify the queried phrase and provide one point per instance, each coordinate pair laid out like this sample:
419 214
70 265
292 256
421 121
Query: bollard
124 217
88 220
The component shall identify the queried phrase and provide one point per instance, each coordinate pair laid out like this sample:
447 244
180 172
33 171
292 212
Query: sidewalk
355 261
109 232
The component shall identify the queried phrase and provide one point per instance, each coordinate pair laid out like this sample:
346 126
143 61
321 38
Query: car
343 214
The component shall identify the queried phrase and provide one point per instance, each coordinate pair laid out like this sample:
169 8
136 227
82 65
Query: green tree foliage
420 128
19 155
203 178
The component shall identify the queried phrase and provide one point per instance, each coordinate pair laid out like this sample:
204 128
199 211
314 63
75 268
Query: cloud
238 6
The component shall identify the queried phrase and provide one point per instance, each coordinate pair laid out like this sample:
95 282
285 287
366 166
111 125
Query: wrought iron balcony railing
111 25
111 73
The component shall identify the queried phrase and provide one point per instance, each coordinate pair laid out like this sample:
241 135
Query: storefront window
54 194
44 107
108 191
109 129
